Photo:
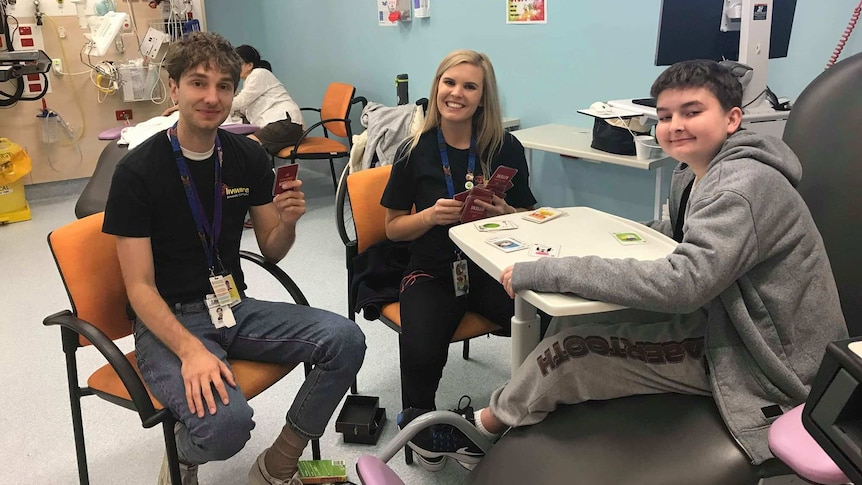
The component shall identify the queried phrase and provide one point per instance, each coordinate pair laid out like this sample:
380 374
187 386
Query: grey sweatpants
603 357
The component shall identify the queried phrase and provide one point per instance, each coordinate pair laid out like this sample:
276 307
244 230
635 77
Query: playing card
506 244
492 226
502 177
627 238
543 214
544 250
471 210
284 173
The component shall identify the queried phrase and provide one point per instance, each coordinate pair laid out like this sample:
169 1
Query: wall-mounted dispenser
421 9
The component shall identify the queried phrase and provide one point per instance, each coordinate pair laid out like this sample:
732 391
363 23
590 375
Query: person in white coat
264 102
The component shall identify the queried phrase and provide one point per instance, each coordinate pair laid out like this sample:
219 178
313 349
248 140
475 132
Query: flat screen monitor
691 29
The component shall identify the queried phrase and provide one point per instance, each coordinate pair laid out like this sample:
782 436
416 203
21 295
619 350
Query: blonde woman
461 144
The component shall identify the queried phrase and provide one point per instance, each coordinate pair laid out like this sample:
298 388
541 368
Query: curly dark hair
202 49
701 73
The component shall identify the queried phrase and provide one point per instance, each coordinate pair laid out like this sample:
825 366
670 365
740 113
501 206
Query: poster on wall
526 12
384 9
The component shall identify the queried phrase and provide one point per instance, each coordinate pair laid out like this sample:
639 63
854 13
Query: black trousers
430 314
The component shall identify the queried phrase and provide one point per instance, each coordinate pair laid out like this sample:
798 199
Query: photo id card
460 277
222 317
220 289
232 289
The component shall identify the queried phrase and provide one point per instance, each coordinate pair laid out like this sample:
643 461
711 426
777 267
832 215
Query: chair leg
315 449
408 455
171 450
354 388
466 352
332 170
77 418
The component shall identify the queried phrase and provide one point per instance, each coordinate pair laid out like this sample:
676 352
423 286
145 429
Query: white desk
761 120
511 123
583 232
575 142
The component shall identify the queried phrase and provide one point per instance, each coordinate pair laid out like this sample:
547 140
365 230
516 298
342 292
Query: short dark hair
206 49
701 73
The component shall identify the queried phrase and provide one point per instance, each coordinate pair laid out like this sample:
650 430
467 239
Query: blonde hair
487 120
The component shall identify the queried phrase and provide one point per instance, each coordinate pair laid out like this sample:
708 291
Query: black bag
613 139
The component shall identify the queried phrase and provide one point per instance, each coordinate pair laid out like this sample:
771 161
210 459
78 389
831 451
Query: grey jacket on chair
753 258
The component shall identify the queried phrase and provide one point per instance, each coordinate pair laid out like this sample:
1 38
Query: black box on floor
360 420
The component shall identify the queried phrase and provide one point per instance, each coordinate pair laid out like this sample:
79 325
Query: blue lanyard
447 170
208 233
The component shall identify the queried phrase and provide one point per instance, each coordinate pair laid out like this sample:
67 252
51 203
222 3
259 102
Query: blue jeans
264 332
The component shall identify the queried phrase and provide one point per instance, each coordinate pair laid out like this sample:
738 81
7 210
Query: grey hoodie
753 258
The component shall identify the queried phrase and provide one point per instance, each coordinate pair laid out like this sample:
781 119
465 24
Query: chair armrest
115 358
312 127
341 201
277 273
361 100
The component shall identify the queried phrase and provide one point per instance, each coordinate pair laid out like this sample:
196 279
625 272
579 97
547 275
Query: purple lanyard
208 233
444 157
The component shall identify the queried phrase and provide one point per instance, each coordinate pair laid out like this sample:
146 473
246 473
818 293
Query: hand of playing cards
498 184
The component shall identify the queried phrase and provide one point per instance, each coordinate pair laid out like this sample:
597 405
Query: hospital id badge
232 289
222 317
220 288
460 277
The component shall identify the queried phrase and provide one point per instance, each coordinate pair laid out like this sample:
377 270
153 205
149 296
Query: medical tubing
846 35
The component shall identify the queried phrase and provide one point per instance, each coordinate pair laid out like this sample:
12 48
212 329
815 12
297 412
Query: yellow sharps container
14 165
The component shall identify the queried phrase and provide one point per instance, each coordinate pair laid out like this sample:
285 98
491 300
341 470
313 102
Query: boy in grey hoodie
750 291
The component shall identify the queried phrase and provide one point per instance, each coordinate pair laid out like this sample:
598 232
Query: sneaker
258 475
431 464
188 473
441 440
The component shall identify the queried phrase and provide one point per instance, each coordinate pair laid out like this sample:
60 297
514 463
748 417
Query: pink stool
791 443
111 133
372 471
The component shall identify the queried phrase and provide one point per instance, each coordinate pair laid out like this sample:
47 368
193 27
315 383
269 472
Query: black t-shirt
418 180
147 199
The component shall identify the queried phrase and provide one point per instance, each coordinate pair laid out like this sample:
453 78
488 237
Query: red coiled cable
846 35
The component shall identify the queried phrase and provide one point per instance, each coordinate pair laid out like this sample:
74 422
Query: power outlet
57 65
124 114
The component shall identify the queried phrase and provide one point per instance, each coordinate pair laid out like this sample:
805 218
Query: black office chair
674 439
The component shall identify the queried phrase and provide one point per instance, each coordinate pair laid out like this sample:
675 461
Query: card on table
544 250
284 173
506 244
542 214
627 238
492 226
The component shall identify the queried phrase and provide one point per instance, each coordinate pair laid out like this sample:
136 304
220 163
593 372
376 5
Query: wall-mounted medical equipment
748 31
421 9
104 29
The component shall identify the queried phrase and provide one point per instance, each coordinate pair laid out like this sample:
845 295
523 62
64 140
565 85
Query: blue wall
587 51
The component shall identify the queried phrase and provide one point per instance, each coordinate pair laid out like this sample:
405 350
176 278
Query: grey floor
36 438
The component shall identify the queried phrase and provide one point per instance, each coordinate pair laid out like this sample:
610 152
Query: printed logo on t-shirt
232 193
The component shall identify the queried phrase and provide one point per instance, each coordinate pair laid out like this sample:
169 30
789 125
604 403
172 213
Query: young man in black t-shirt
176 205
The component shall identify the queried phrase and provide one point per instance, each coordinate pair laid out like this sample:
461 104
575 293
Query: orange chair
360 219
88 264
334 118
